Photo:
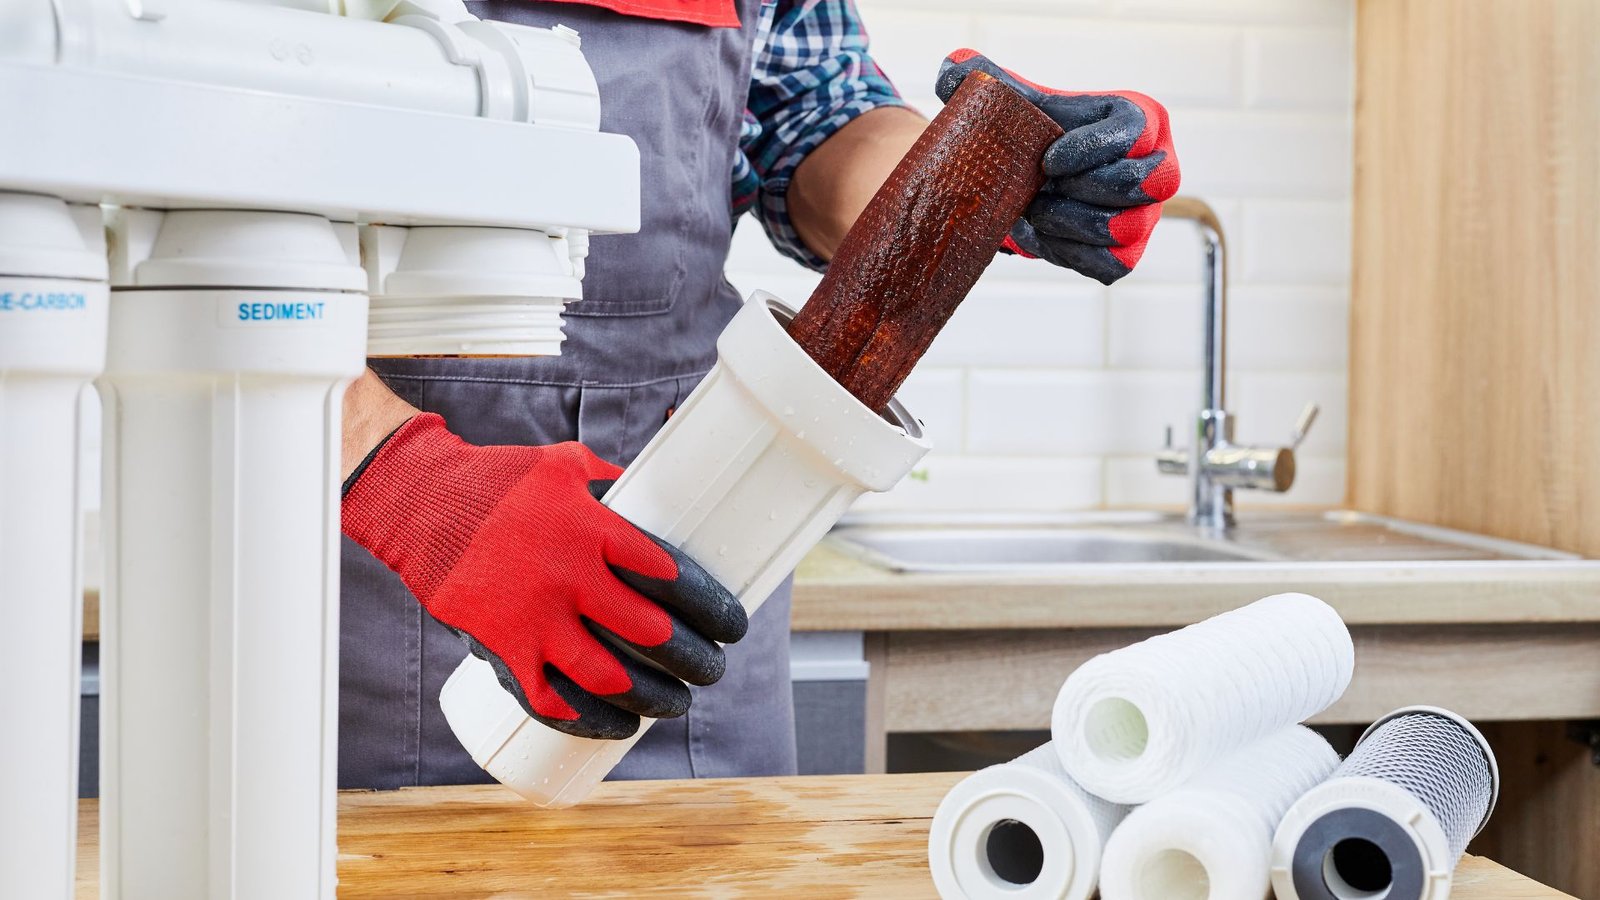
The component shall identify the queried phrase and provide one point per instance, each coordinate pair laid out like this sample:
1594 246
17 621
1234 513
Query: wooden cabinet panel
1475 341
1475 329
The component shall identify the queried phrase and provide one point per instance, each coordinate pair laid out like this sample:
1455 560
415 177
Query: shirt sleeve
812 74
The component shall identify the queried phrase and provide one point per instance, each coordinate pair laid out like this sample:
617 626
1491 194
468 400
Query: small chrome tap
1214 463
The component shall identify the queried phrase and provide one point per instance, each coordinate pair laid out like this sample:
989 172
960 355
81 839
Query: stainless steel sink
916 544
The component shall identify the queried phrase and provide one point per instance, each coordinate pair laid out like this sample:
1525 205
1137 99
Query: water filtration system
263 170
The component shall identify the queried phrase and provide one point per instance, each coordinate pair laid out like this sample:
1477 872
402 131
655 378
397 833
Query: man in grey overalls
733 103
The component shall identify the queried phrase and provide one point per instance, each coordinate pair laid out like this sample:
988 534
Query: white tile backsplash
1156 326
946 482
1065 330
1050 392
1304 242
1263 154
938 398
1298 68
1189 65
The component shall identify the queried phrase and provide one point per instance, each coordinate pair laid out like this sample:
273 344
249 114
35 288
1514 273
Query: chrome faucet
1214 463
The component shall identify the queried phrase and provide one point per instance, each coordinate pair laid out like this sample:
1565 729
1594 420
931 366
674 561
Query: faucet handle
1302 424
1171 460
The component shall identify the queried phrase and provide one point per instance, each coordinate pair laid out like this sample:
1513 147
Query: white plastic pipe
761 460
310 112
232 337
52 342
1212 837
1018 831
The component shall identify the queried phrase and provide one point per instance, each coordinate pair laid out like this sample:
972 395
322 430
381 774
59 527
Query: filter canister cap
44 237
237 249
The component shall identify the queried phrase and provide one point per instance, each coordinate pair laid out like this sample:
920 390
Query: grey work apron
639 341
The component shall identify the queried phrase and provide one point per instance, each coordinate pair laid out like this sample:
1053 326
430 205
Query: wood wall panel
1475 324
1475 337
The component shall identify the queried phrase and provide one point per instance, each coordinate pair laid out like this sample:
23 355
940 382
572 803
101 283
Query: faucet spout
1214 463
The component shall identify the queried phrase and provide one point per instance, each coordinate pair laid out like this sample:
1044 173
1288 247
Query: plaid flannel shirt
812 74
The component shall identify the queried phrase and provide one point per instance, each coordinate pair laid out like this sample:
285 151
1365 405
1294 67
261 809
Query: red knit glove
1107 176
511 548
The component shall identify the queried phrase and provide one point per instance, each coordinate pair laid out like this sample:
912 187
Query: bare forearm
832 186
371 413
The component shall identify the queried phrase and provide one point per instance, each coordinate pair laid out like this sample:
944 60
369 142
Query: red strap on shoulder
711 13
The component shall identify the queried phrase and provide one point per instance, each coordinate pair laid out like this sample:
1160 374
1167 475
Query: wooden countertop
836 836
838 591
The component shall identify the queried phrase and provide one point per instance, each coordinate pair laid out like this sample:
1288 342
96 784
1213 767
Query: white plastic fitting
460 291
1019 831
1395 817
1135 723
310 112
52 343
1212 837
755 467
232 337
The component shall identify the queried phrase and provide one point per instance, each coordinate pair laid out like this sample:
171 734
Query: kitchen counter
979 651
841 836
838 591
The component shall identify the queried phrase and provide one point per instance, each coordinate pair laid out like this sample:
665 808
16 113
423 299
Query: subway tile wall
1049 392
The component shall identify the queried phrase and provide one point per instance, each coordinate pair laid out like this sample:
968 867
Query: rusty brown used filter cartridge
921 243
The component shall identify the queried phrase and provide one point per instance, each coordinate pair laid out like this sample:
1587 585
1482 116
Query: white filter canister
761 460
220 621
53 302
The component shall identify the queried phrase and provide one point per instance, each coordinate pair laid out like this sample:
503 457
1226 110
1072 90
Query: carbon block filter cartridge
1212 837
1395 818
1135 723
1022 829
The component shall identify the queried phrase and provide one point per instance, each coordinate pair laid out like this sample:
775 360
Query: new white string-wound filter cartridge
1021 830
1395 817
53 300
1211 839
760 461
1137 722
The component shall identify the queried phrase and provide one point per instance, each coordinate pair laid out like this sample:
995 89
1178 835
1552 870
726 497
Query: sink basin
918 544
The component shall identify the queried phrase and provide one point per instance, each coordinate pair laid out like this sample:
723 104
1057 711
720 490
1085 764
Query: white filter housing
232 337
761 460
52 343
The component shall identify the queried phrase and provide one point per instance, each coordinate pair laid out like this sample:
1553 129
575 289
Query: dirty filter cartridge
1135 723
1020 829
918 248
1212 837
1395 818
